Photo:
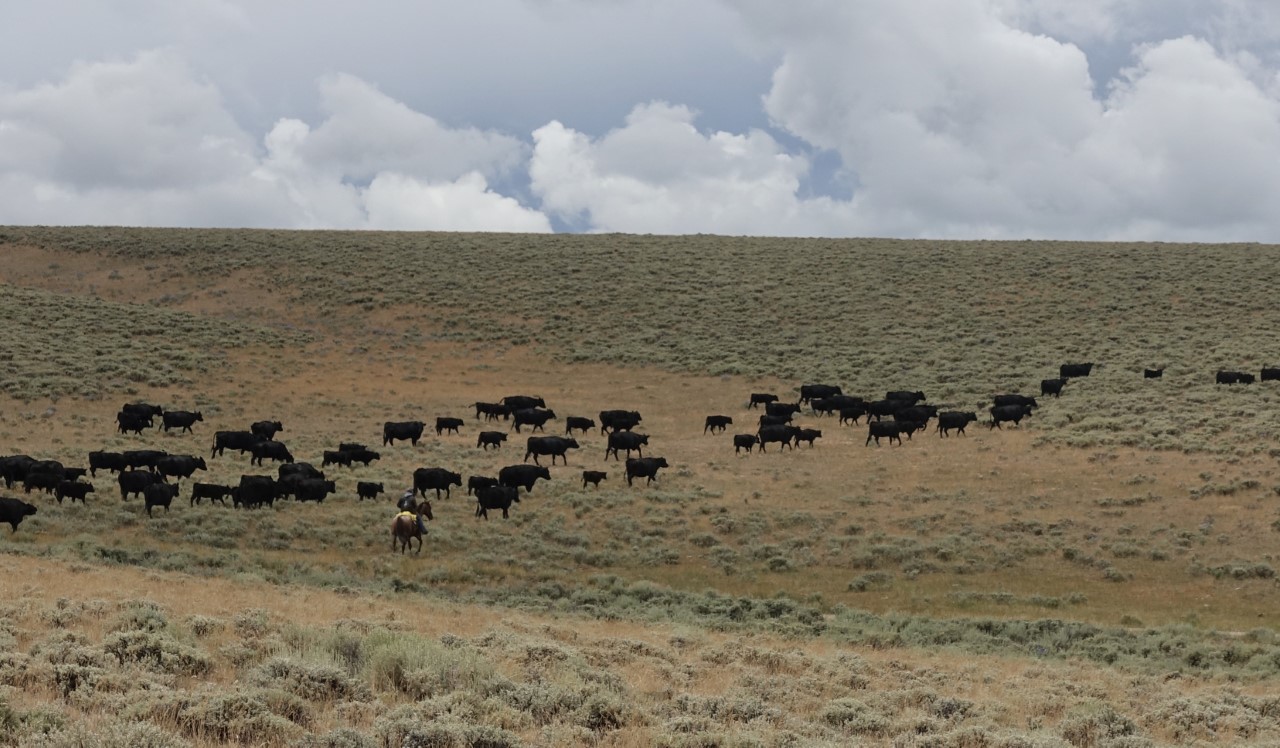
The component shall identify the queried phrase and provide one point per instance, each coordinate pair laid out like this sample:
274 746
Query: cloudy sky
1073 119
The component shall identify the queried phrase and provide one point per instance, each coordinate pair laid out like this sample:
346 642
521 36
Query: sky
1143 120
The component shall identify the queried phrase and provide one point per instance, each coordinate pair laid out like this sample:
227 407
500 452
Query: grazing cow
768 420
129 423
1001 400
1002 413
890 429
535 417
744 441
330 457
270 450
645 467
74 473
180 466
46 482
1270 374
1234 377
810 391
781 409
496 497
135 482
314 489
211 491
143 409
367 490
909 396
593 477
1067 371
479 481
444 423
783 434
266 429
1052 386
159 494
425 479
1158 373
144 458
954 419
919 413
240 441
556 446
492 411
717 423
625 440
362 455
758 398
72 490
300 469
487 438
523 402
522 475
254 491
878 409
113 461
578 422
852 413
393 430
618 420
14 468
807 435
180 419
13 511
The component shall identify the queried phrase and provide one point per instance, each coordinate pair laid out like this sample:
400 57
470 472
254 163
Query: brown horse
405 529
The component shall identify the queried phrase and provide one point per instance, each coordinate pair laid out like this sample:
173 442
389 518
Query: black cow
14 468
1067 371
768 420
1052 386
810 391
918 413
824 406
181 419
645 467
127 423
783 434
159 494
254 491
444 423
402 430
852 413
618 420
522 475
496 497
331 457
425 479
492 411
717 423
74 473
266 429
781 409
758 398
578 422
807 435
72 490
890 429
13 511
351 447
1002 400
135 482
878 409
300 469
180 466
625 440
909 427
144 458
46 482
954 419
911 397
1233 377
314 489
1158 373
744 441
143 409
535 417
556 446
593 477
270 450
367 490
1003 413
1270 374
362 456
522 402
240 441
487 438
479 481
211 491
113 461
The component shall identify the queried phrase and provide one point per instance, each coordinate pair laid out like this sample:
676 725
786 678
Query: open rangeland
1100 575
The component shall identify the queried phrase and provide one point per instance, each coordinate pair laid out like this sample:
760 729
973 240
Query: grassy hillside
937 593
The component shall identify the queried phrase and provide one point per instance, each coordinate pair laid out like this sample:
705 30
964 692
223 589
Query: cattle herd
147 473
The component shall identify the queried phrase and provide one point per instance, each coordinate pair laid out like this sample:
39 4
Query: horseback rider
408 504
